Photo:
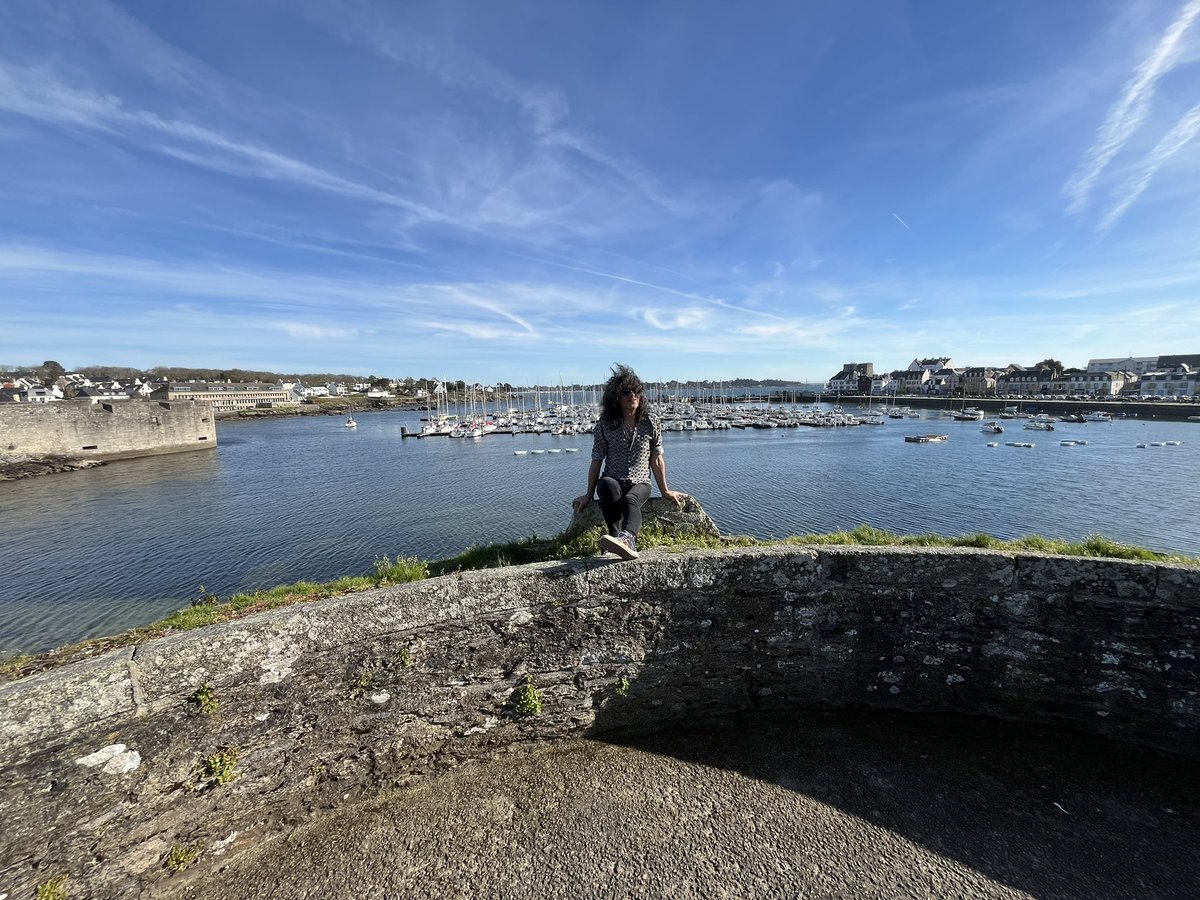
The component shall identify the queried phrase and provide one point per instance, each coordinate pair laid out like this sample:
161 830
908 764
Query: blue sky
529 191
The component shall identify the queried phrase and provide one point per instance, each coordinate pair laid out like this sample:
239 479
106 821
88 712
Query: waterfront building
980 381
854 378
227 396
1167 363
1026 382
1143 365
1096 384
932 364
884 384
943 382
1181 381
1136 365
913 381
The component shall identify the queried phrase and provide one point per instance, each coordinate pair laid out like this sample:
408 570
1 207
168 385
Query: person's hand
580 502
676 497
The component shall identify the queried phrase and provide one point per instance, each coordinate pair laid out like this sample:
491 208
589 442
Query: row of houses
1168 376
224 396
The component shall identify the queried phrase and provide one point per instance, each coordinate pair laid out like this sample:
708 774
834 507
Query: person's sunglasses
629 393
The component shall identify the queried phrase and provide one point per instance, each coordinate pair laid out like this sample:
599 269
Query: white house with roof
98 393
883 383
851 378
943 382
913 381
932 364
40 393
1097 384
1181 381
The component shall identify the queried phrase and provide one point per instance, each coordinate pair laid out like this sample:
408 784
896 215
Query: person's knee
608 489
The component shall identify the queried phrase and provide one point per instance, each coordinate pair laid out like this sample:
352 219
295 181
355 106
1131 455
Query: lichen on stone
181 857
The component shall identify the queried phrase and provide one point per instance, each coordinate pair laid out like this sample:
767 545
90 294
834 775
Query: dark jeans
621 502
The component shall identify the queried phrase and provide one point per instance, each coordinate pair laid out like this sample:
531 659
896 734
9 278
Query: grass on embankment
209 609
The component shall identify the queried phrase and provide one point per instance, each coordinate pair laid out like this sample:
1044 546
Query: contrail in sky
901 221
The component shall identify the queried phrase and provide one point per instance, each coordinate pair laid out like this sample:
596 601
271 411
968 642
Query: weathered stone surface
104 767
45 709
690 518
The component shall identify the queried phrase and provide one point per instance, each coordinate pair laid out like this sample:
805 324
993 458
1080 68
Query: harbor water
98 551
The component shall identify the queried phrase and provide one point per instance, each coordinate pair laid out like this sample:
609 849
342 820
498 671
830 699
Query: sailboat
350 423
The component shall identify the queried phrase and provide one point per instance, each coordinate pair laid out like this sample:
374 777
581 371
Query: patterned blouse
627 457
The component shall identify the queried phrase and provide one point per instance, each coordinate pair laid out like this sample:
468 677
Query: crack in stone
135 688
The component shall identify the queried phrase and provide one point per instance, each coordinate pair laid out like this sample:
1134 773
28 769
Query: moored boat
925 438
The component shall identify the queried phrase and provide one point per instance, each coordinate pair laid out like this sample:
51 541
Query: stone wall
107 766
105 430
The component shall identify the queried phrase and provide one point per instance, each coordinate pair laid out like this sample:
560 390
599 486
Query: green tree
50 371
1052 364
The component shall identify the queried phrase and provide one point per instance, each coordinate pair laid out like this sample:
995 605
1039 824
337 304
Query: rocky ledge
14 467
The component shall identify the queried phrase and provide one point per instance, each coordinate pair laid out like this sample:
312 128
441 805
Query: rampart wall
107 766
106 430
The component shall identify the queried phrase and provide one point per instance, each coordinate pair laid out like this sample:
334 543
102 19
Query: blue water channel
98 551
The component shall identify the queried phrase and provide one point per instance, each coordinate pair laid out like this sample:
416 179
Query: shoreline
323 409
13 468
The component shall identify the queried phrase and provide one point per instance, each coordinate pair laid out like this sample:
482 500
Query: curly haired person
627 442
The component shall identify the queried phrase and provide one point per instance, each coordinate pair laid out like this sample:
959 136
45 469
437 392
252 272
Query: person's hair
623 379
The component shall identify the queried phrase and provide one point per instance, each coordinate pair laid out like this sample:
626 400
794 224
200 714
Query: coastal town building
913 381
227 396
854 378
1026 382
932 364
1096 384
40 393
943 382
1136 365
980 381
1167 363
883 384
98 393
1180 381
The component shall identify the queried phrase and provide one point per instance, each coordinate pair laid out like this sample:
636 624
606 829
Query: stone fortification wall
105 430
106 767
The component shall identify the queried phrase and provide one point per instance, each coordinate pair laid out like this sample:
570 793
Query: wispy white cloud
1174 141
310 332
673 320
1129 113
546 107
38 96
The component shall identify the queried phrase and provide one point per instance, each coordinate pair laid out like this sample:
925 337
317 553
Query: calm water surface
95 552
